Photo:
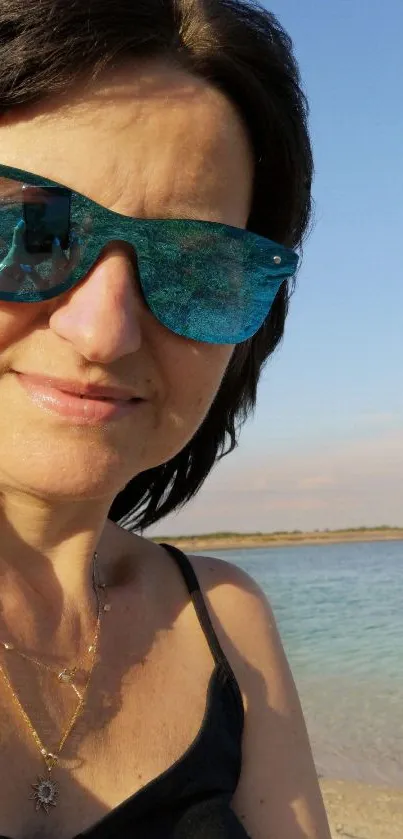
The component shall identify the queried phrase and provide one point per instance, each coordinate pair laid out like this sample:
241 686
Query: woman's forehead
157 143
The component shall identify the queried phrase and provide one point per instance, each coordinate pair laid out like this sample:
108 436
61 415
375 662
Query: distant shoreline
236 541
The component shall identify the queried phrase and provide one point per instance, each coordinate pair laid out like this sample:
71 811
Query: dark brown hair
241 48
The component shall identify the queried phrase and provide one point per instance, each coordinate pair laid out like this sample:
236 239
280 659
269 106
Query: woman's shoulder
243 620
239 603
278 793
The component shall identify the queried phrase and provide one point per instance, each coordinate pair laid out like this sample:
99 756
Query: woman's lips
81 410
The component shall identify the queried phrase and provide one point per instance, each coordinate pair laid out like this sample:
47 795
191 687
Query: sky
325 446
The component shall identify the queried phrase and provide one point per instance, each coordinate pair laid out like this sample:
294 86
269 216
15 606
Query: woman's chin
57 475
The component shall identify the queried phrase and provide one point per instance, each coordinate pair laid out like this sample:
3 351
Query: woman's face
147 142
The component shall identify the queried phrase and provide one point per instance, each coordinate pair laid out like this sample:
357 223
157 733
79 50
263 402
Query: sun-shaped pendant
46 792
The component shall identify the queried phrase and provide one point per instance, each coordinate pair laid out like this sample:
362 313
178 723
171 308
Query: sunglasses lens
209 285
40 244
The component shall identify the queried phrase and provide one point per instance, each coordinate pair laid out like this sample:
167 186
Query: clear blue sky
325 448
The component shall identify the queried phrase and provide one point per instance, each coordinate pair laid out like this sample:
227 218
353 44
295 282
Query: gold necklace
46 790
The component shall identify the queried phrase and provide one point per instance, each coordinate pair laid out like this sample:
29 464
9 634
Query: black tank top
191 799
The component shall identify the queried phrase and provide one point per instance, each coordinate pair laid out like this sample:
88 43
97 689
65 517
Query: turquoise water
339 609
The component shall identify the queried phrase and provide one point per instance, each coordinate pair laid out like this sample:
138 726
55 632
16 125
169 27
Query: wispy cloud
315 482
347 483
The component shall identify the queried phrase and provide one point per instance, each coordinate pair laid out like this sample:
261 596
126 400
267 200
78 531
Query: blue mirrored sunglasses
203 280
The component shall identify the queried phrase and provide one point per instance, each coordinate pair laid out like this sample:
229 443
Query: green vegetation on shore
285 535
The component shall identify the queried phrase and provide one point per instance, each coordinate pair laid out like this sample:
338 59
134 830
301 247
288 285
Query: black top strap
187 570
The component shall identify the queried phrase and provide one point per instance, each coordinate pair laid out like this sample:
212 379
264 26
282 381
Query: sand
363 811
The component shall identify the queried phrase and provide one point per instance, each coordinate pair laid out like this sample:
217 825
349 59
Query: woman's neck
47 599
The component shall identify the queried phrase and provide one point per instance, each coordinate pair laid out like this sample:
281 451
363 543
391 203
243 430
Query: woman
155 178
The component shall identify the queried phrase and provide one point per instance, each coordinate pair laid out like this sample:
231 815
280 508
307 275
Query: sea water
339 610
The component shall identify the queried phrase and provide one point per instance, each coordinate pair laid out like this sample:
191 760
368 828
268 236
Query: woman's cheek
14 320
194 383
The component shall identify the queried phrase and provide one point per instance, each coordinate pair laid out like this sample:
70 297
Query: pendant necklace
46 790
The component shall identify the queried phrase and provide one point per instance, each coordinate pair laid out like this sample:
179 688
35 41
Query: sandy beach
363 811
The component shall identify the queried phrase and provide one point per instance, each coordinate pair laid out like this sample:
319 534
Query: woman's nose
101 316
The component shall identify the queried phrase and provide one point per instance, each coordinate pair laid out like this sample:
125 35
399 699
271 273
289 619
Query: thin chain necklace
46 790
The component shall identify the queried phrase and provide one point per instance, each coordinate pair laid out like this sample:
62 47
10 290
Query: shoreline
362 811
239 541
